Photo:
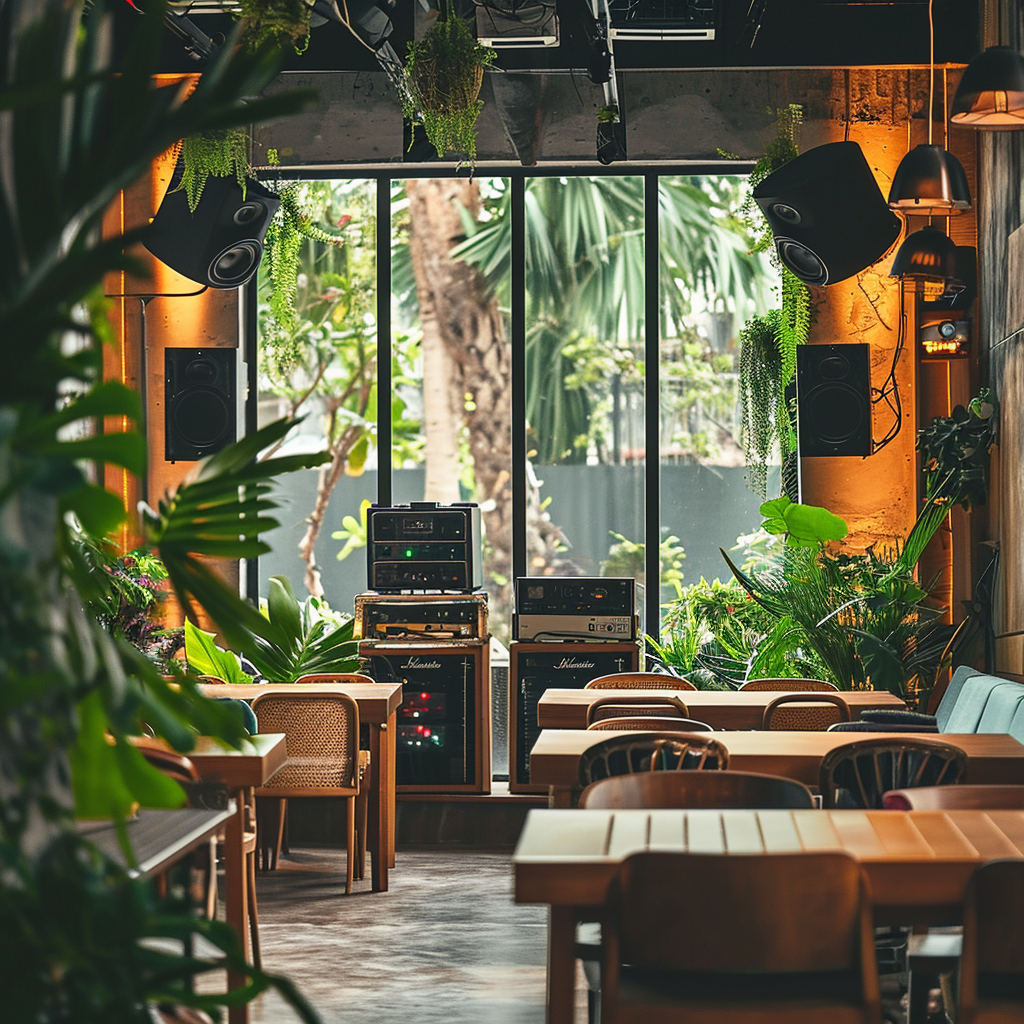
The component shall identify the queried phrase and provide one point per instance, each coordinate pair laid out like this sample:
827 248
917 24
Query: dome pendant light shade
991 93
930 179
927 253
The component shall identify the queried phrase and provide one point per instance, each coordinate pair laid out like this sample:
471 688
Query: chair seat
306 773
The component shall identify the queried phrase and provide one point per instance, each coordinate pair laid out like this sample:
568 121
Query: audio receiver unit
575 608
430 617
423 546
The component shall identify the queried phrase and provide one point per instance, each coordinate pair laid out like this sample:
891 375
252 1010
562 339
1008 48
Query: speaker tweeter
200 402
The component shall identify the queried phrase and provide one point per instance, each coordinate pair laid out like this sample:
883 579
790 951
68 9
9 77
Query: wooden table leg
236 897
561 965
378 808
390 742
560 797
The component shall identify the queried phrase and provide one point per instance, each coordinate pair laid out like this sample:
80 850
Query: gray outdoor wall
706 507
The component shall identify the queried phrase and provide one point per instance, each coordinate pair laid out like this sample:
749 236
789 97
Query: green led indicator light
409 552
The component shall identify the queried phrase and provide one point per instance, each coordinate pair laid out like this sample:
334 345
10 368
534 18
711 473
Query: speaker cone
235 265
202 416
802 261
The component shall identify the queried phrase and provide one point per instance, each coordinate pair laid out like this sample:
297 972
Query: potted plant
443 74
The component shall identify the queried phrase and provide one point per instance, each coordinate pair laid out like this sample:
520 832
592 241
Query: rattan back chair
322 736
792 685
786 937
635 705
805 712
652 751
858 774
711 790
640 681
649 723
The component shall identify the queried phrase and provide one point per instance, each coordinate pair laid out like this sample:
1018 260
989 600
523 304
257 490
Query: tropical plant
205 658
955 450
76 929
626 558
443 74
217 154
275 23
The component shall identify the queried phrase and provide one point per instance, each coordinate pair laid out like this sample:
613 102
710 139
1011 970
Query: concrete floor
445 944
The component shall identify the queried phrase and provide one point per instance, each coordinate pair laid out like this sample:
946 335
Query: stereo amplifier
423 546
420 617
575 607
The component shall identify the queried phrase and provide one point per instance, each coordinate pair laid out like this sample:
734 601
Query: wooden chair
965 798
649 723
697 789
793 685
992 963
639 681
634 705
322 735
858 774
652 751
805 712
213 796
742 939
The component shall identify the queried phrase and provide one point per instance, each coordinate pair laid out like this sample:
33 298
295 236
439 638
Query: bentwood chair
792 685
805 712
649 723
652 751
992 962
706 790
639 681
634 705
739 939
322 736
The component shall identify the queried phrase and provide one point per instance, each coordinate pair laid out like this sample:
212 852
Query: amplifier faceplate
430 617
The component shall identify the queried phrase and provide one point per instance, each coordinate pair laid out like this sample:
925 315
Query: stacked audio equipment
568 630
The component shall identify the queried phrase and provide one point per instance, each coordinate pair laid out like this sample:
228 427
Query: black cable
889 392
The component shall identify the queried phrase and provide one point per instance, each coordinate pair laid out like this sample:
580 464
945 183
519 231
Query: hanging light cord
931 68
889 392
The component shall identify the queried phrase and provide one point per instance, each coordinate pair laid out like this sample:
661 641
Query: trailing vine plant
218 154
443 74
275 22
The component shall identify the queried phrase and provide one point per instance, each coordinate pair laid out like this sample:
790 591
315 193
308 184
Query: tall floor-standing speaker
828 216
200 415
833 389
536 667
220 244
444 723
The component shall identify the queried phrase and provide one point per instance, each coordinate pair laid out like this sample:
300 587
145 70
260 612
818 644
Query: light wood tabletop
378 706
721 709
555 757
918 862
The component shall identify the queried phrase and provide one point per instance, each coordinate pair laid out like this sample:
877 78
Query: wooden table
378 706
918 862
159 838
721 709
555 758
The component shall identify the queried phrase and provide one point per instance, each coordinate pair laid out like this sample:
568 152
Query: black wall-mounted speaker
833 390
199 401
221 243
827 214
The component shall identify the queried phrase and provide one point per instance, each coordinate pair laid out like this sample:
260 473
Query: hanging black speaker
829 218
833 390
220 244
199 401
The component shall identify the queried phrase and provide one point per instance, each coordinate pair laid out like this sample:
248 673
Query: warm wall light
929 179
927 254
991 92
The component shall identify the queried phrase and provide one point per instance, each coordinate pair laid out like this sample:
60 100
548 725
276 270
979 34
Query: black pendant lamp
991 92
929 178
927 254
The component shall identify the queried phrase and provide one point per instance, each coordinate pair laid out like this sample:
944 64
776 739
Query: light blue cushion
952 694
1001 706
970 705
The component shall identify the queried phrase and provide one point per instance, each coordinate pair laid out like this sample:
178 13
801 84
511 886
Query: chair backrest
966 712
951 695
967 798
322 737
649 723
857 774
667 706
805 711
999 710
336 677
639 681
992 962
803 914
697 789
793 685
170 762
652 751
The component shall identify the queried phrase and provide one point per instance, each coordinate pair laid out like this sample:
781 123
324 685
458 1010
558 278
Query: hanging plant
443 74
275 21
221 154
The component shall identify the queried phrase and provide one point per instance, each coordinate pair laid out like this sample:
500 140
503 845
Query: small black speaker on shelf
833 388
199 401
828 216
220 244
